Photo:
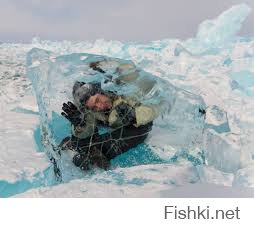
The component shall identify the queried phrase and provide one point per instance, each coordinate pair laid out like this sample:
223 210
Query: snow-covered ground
215 64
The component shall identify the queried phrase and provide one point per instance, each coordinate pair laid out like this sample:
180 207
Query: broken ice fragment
214 33
217 119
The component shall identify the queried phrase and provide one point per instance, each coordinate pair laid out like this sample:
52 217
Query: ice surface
215 65
138 181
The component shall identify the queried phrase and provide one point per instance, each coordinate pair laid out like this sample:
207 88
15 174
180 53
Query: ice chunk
184 121
214 33
244 80
222 150
179 49
223 28
217 119
180 113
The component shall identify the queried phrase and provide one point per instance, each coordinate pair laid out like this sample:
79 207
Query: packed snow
216 65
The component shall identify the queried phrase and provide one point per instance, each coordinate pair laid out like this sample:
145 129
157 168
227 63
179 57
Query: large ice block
181 113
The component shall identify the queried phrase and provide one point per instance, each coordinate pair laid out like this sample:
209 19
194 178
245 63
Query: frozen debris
217 119
214 33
